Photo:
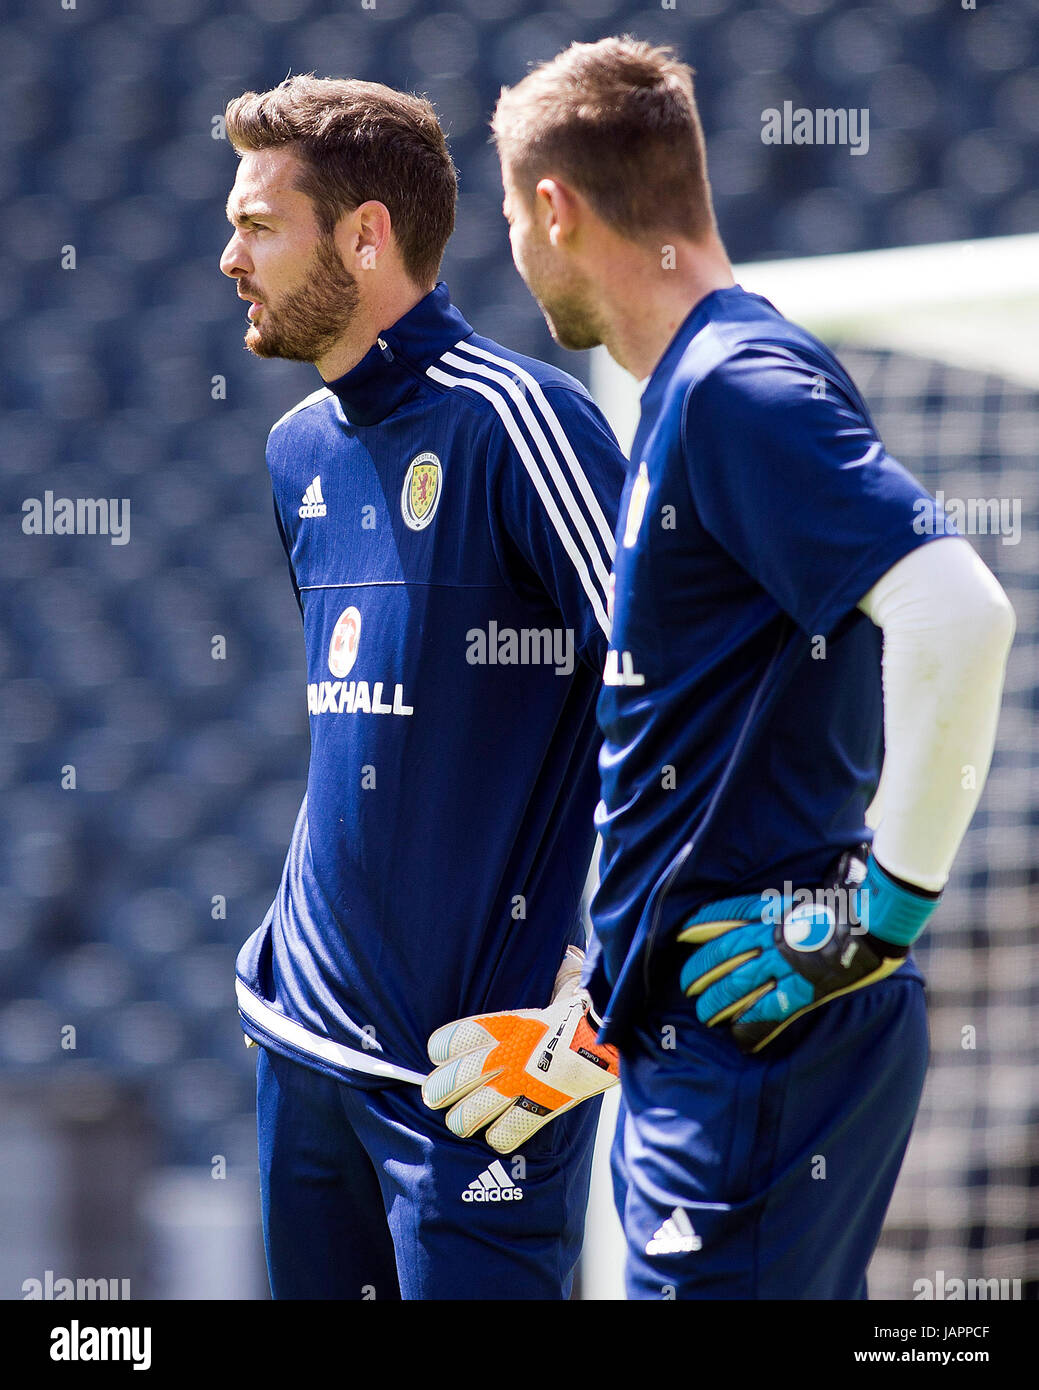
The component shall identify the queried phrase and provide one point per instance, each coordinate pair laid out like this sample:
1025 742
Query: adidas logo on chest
313 502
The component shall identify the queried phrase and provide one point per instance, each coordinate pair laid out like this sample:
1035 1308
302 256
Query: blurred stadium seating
189 770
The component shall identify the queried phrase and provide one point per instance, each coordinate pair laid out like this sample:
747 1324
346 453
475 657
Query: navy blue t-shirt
742 707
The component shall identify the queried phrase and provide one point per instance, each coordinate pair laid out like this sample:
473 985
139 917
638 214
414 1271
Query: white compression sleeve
947 628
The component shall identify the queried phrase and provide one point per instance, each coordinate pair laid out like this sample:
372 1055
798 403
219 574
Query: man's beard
568 311
307 323
571 323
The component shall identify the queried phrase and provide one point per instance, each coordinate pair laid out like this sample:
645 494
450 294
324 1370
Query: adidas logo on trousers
675 1237
493 1185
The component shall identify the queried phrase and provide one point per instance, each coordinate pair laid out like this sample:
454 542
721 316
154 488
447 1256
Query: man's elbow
988 616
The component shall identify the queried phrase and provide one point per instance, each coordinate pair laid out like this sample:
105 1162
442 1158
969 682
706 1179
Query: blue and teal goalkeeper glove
764 960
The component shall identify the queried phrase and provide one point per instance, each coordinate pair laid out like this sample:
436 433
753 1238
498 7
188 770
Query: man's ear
363 236
558 209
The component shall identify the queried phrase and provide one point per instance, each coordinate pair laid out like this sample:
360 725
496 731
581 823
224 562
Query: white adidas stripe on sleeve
596 594
533 425
579 475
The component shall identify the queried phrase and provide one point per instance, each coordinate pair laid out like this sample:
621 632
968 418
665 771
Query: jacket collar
391 369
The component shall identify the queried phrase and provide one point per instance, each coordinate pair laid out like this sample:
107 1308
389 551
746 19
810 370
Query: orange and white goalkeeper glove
515 1071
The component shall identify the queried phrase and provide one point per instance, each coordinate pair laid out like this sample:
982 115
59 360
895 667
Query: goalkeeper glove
761 964
515 1071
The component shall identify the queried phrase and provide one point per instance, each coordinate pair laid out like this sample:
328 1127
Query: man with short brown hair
752 957
447 509
619 121
355 142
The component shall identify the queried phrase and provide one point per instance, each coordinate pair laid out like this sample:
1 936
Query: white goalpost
973 304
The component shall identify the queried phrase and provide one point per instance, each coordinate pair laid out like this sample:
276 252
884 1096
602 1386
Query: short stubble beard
571 324
568 310
308 322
